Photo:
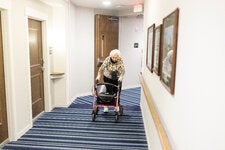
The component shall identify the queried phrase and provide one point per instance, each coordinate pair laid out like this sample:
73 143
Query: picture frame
169 50
157 50
150 47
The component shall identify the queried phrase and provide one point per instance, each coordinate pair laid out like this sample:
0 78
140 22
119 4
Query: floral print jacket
108 67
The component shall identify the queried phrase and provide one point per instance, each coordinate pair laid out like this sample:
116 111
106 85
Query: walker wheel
116 117
93 116
121 110
94 112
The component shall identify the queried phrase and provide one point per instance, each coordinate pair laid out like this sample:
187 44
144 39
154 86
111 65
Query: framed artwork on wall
169 50
150 47
157 50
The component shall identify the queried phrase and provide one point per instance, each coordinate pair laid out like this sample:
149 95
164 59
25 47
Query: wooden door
3 114
36 65
106 38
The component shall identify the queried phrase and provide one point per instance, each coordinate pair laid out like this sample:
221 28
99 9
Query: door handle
99 62
42 69
42 61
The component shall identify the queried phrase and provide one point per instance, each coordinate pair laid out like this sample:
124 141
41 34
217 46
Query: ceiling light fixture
138 8
106 3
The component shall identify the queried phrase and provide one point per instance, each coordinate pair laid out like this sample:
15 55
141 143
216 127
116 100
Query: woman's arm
102 68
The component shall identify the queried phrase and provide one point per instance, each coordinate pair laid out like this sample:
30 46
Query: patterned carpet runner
72 128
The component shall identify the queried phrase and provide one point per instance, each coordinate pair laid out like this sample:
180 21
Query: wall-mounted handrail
160 129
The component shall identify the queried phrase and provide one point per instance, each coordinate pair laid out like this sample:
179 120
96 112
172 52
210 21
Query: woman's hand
97 78
120 79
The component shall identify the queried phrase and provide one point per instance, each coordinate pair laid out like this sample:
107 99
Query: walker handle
119 83
96 81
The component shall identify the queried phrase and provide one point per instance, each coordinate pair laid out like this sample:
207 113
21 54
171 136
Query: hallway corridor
71 128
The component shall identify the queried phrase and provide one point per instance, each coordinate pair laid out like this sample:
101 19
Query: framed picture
157 50
169 50
150 47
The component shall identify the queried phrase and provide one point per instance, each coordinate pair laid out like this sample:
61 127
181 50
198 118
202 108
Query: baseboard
3 143
22 132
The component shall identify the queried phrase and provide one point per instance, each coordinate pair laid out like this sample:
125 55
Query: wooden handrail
161 132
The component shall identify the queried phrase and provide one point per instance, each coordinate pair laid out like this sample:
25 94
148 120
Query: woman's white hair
115 52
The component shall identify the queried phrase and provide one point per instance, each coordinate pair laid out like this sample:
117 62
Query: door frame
8 70
36 15
3 101
98 40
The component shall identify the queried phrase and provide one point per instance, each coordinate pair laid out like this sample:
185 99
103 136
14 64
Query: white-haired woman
112 69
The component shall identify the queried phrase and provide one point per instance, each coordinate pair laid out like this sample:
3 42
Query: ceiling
115 4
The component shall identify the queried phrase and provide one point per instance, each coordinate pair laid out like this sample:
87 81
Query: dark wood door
36 64
3 114
106 37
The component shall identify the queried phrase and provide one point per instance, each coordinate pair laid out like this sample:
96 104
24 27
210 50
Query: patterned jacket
108 67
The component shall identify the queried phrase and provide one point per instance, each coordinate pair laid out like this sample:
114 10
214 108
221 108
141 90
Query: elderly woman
113 70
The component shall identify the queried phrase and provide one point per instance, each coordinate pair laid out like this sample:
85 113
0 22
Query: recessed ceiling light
106 3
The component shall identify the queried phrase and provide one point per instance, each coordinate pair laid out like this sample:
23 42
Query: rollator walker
107 94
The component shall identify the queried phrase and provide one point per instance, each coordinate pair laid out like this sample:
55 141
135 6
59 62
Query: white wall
60 53
192 116
82 52
16 61
130 32
72 45
21 68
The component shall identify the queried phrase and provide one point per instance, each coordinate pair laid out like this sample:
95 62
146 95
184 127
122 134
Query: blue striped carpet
72 129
